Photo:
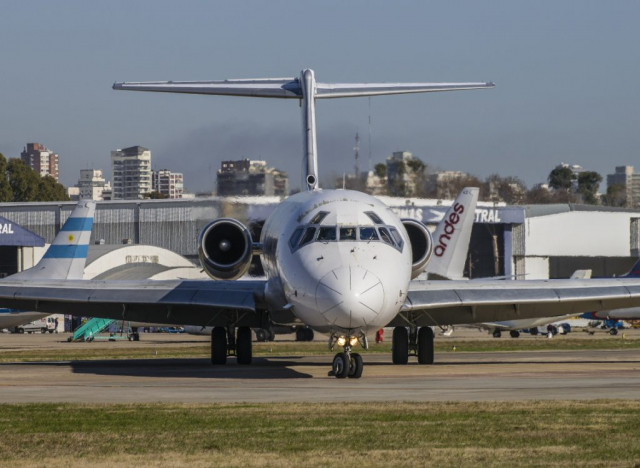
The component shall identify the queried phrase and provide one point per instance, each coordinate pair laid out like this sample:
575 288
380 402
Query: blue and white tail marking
67 255
634 272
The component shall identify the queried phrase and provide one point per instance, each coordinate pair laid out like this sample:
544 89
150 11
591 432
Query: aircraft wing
461 302
182 302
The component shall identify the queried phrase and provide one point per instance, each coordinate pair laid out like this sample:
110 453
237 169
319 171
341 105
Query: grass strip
89 351
549 433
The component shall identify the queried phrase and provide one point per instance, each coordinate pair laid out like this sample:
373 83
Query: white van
44 325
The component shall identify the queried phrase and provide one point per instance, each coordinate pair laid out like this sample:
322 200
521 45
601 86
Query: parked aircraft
64 259
338 261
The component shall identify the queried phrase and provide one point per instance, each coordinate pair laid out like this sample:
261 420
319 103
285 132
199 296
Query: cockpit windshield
325 234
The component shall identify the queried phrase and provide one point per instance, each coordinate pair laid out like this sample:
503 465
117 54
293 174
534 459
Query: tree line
414 178
20 183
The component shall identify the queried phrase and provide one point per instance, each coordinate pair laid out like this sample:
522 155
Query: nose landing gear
347 364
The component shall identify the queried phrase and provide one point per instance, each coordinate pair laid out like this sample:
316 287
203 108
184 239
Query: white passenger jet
338 261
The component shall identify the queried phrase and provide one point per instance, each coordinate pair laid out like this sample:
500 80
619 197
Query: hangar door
486 251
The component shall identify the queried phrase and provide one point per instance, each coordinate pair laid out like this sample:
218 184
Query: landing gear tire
514 334
341 365
20 330
613 331
356 367
308 334
136 336
497 333
400 344
533 331
261 335
300 334
243 346
218 346
425 345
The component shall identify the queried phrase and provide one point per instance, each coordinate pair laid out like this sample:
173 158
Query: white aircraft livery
338 261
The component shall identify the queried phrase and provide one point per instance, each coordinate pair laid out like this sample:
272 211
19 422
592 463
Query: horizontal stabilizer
289 88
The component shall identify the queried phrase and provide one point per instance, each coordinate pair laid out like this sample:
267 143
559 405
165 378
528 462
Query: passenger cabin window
374 217
348 234
326 234
317 219
295 237
308 236
368 234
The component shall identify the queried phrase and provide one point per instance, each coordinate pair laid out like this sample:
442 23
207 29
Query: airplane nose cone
349 297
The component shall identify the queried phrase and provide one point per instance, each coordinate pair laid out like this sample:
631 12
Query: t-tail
67 255
451 237
306 90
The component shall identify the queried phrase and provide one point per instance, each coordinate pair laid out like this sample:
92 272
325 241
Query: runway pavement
564 375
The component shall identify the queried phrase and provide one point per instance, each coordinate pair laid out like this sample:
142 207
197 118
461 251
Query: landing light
341 341
353 341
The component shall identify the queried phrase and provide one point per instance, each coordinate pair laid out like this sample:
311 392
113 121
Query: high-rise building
399 178
91 184
170 184
247 177
40 159
131 169
627 178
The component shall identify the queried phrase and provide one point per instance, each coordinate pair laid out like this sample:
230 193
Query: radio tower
357 150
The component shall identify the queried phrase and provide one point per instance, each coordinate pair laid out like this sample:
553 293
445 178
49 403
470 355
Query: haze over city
565 75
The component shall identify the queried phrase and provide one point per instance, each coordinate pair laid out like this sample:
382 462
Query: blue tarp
13 234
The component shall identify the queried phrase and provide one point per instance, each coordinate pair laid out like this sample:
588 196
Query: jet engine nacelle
225 249
421 245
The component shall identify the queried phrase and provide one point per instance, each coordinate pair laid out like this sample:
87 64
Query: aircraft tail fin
451 237
67 255
634 272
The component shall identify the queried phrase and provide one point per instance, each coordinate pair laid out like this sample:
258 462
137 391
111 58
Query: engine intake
225 249
421 245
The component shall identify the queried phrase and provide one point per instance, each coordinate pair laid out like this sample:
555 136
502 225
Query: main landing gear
413 342
226 342
347 364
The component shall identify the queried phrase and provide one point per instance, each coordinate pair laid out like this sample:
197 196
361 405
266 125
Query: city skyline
564 73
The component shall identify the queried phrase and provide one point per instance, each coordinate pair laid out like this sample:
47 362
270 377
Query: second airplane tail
67 255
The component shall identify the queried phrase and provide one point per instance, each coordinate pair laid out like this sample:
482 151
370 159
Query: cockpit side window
308 236
368 234
317 219
374 217
385 236
326 234
397 237
347 233
295 237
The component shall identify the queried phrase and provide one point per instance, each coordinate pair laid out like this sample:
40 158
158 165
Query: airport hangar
537 241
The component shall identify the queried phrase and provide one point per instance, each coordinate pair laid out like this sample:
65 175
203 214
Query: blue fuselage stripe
67 251
78 224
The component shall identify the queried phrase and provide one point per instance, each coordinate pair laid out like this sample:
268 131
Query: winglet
67 255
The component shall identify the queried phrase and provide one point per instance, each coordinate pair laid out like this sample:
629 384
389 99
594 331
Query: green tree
616 195
6 194
560 178
27 186
156 195
588 184
380 170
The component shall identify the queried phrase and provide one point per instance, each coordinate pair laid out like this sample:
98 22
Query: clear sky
566 73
